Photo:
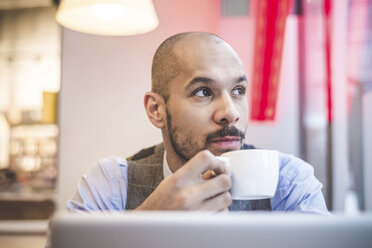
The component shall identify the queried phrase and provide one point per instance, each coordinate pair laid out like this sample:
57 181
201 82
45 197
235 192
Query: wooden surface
26 210
20 241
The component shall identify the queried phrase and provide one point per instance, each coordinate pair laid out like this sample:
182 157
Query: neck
174 161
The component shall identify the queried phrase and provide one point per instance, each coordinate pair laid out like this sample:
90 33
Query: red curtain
270 26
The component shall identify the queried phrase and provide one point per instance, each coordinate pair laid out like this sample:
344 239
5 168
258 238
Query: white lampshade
108 17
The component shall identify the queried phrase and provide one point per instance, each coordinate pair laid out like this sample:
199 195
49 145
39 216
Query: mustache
226 131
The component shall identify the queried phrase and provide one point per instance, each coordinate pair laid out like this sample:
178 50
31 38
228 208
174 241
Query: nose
226 113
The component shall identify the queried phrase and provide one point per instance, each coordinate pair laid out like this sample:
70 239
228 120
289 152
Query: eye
239 91
202 92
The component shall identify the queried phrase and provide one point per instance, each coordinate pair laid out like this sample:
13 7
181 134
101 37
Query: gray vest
145 172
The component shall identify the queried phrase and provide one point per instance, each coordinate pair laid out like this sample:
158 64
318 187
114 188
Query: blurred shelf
27 206
31 196
23 226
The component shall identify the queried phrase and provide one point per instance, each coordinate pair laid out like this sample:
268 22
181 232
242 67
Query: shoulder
103 187
150 155
108 168
293 169
298 189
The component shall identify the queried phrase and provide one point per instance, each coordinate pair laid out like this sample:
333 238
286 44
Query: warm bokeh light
108 12
114 17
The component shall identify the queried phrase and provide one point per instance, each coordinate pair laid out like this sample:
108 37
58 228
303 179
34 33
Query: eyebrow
207 80
241 79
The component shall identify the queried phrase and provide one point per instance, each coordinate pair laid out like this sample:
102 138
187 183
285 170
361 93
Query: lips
226 143
226 139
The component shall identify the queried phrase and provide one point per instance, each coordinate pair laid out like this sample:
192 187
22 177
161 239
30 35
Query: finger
225 210
213 187
194 196
202 162
220 202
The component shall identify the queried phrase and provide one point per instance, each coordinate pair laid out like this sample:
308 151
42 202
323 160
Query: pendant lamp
108 17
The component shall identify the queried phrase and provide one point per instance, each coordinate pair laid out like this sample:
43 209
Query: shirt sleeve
298 189
104 188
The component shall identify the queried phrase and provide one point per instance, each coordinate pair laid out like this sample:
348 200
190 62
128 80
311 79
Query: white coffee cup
254 173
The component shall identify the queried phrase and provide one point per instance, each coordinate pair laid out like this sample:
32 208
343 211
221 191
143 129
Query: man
198 102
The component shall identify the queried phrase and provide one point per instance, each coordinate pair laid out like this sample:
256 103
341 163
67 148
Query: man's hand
193 187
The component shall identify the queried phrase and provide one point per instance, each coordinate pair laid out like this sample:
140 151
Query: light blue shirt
104 188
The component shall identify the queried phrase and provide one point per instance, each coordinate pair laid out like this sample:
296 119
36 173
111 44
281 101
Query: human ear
154 106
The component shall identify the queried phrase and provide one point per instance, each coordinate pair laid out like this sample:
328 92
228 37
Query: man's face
207 106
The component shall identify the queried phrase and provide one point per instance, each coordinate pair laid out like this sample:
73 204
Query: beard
188 148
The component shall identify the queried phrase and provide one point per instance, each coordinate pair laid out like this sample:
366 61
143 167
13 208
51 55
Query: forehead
209 56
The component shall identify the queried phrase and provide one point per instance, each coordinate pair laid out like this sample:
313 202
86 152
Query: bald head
166 65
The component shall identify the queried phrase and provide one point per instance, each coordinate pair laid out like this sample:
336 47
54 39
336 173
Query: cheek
192 123
189 122
244 115
202 120
243 110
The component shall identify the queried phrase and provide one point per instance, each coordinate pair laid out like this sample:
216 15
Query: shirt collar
166 170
